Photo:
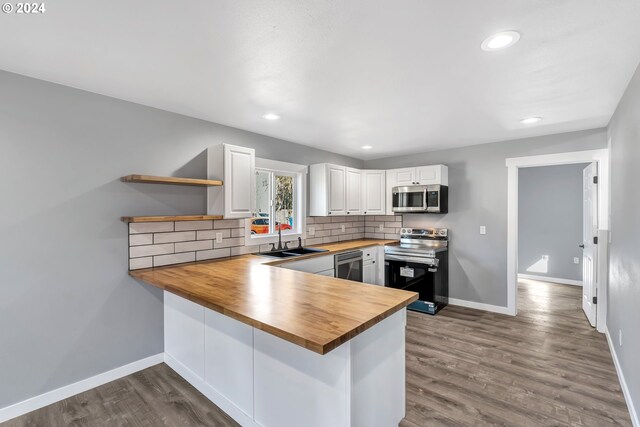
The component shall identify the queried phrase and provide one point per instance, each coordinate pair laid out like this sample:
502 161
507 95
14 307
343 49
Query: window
277 204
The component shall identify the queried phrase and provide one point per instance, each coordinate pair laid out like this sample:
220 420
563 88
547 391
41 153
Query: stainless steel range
420 263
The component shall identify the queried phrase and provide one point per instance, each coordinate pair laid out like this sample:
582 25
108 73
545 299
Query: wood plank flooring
465 367
546 366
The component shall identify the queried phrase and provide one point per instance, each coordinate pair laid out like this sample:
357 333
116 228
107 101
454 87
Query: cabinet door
337 185
405 176
354 191
428 175
239 181
369 272
373 192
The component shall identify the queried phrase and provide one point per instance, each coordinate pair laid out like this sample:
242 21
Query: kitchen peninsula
277 347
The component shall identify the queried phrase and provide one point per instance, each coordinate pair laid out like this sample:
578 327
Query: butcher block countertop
316 312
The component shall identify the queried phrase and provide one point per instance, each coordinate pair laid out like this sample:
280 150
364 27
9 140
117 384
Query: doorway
552 237
598 259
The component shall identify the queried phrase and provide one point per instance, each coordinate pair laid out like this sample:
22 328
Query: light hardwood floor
465 367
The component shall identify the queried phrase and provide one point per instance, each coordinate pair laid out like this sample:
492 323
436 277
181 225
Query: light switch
218 237
483 229
576 260
312 231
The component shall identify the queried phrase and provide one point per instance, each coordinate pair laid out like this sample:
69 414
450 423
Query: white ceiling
403 76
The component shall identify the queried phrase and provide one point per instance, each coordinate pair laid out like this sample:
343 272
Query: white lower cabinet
229 359
261 380
184 332
369 272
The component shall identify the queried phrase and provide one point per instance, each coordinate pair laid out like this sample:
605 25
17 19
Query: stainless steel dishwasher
348 265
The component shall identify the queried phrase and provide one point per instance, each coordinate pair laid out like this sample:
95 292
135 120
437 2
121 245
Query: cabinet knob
348 213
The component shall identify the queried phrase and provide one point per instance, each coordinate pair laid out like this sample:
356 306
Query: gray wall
550 220
68 309
478 196
623 309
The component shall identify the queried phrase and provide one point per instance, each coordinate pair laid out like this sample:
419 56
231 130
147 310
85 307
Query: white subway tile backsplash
150 250
237 232
243 250
161 260
138 263
150 227
315 241
228 223
227 243
140 239
213 253
156 244
178 236
193 225
199 245
211 234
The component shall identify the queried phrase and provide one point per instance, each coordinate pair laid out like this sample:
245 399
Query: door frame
513 164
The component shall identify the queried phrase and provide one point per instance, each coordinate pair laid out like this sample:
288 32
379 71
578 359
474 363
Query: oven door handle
416 260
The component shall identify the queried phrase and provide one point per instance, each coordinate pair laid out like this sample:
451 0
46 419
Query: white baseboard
64 392
212 394
481 306
550 279
623 383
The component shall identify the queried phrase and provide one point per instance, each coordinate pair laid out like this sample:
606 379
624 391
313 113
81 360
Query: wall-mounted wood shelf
170 218
148 179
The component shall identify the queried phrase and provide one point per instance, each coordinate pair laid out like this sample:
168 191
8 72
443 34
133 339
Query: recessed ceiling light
366 147
271 116
500 40
530 120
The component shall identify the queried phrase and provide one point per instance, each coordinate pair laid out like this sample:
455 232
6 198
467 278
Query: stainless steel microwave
420 199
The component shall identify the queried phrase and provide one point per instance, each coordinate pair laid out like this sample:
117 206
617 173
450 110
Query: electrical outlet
483 229
620 336
342 227
576 260
381 227
312 231
218 237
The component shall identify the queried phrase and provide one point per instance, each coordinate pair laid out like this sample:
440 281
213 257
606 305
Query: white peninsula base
262 380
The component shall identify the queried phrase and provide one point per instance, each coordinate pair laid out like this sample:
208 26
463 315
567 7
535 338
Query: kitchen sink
279 254
292 252
304 251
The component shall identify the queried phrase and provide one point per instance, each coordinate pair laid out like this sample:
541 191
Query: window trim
299 173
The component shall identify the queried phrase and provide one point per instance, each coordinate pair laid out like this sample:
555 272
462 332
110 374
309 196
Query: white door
354 191
239 181
405 176
373 189
337 197
589 232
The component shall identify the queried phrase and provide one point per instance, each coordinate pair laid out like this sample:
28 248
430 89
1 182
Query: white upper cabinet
337 193
354 191
328 190
335 190
373 192
429 175
236 167
421 175
405 176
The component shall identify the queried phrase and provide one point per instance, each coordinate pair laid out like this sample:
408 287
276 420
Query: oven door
415 275
409 199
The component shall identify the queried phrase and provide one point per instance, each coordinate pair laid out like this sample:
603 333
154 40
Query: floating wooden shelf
148 179
169 218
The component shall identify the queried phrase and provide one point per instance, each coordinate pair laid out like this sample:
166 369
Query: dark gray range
420 263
